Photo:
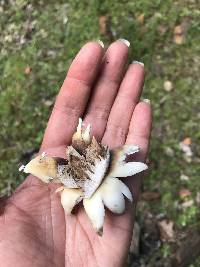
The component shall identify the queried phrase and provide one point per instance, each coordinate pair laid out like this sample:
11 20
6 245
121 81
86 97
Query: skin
34 231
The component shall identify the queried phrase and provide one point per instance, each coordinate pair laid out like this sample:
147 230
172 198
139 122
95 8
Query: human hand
34 231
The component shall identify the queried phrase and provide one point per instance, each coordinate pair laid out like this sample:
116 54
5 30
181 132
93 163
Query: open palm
34 231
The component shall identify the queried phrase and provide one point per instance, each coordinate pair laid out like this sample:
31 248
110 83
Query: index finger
73 96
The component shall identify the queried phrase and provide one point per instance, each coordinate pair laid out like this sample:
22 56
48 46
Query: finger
140 128
73 96
106 88
124 104
139 134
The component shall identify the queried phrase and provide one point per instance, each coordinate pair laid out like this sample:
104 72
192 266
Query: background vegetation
39 39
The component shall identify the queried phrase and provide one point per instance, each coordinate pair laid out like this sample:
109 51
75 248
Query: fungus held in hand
89 173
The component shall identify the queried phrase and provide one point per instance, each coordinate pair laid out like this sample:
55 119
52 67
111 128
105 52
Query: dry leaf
103 24
148 195
184 192
169 151
178 35
27 70
48 103
166 230
186 149
162 29
140 19
168 86
187 141
184 177
179 39
187 204
180 32
198 198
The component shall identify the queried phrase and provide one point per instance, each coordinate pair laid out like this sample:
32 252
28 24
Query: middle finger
105 91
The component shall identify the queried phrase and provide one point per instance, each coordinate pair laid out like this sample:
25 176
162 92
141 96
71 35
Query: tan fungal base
89 173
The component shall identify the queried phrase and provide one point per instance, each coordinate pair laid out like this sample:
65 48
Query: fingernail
126 42
146 101
138 62
101 43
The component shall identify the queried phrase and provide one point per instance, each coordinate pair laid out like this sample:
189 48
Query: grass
38 41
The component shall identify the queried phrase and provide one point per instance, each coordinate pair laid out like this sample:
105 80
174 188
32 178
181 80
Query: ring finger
123 107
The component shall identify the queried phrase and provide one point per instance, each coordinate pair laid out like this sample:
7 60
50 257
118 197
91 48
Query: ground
38 41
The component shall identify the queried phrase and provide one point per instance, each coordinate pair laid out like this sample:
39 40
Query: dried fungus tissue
89 173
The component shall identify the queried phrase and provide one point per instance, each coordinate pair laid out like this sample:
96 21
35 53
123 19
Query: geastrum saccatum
89 173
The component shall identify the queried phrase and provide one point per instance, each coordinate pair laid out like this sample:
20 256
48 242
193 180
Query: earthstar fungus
89 173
